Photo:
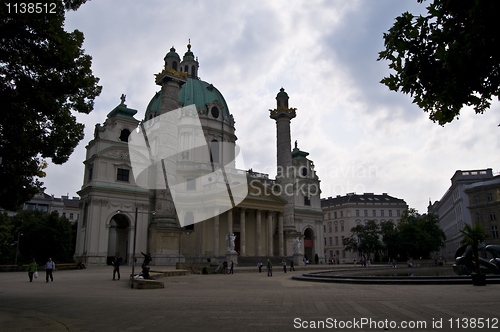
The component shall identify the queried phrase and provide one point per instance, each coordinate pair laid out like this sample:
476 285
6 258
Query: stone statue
296 245
231 239
123 99
296 144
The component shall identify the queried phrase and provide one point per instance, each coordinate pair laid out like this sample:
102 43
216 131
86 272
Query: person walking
32 269
269 268
116 268
232 267
284 264
49 268
259 265
291 265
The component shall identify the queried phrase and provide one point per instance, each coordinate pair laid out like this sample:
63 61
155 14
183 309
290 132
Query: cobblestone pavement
88 300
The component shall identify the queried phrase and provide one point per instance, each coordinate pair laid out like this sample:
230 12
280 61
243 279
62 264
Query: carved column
216 232
259 232
230 222
242 232
280 234
270 233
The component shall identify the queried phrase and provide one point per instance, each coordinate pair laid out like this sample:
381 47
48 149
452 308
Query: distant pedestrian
224 265
116 268
269 268
291 266
232 268
32 269
305 261
49 268
393 263
259 265
147 259
284 264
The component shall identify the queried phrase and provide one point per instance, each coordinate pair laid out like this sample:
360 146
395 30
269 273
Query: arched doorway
309 244
118 238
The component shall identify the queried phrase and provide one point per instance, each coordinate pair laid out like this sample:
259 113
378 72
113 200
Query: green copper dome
197 92
173 54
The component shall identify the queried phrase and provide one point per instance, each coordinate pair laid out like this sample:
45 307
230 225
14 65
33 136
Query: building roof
197 92
477 185
366 198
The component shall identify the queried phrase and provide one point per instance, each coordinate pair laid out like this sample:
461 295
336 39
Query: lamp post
135 238
17 248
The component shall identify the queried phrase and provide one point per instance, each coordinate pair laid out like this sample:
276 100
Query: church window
336 240
329 228
186 68
304 171
174 65
71 216
124 135
215 112
365 213
357 213
489 197
336 228
193 71
341 214
343 253
122 174
493 216
330 238
214 151
342 226
64 215
91 170
307 201
335 215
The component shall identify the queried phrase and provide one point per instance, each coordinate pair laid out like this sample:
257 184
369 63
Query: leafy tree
419 236
6 238
472 236
389 233
44 235
447 59
45 77
364 239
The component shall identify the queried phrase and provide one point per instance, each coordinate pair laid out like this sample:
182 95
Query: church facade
276 218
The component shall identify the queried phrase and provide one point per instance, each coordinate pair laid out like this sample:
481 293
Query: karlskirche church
274 218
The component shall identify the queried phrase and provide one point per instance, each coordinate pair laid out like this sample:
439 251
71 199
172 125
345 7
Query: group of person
270 267
50 267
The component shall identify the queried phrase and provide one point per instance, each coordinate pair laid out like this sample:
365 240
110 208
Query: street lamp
19 234
135 238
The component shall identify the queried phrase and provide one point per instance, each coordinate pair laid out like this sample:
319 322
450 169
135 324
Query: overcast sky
361 136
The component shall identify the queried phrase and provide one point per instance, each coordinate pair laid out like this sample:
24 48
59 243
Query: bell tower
283 115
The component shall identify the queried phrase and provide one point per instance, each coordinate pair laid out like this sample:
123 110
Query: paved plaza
88 300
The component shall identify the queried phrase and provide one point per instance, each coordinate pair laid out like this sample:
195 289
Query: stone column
270 233
230 222
280 234
259 232
242 232
216 232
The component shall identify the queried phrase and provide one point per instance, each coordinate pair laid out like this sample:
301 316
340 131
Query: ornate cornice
171 72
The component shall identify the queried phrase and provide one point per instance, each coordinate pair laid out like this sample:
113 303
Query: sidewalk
88 300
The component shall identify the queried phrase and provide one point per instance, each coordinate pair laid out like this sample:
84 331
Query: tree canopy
447 59
44 235
364 239
45 77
